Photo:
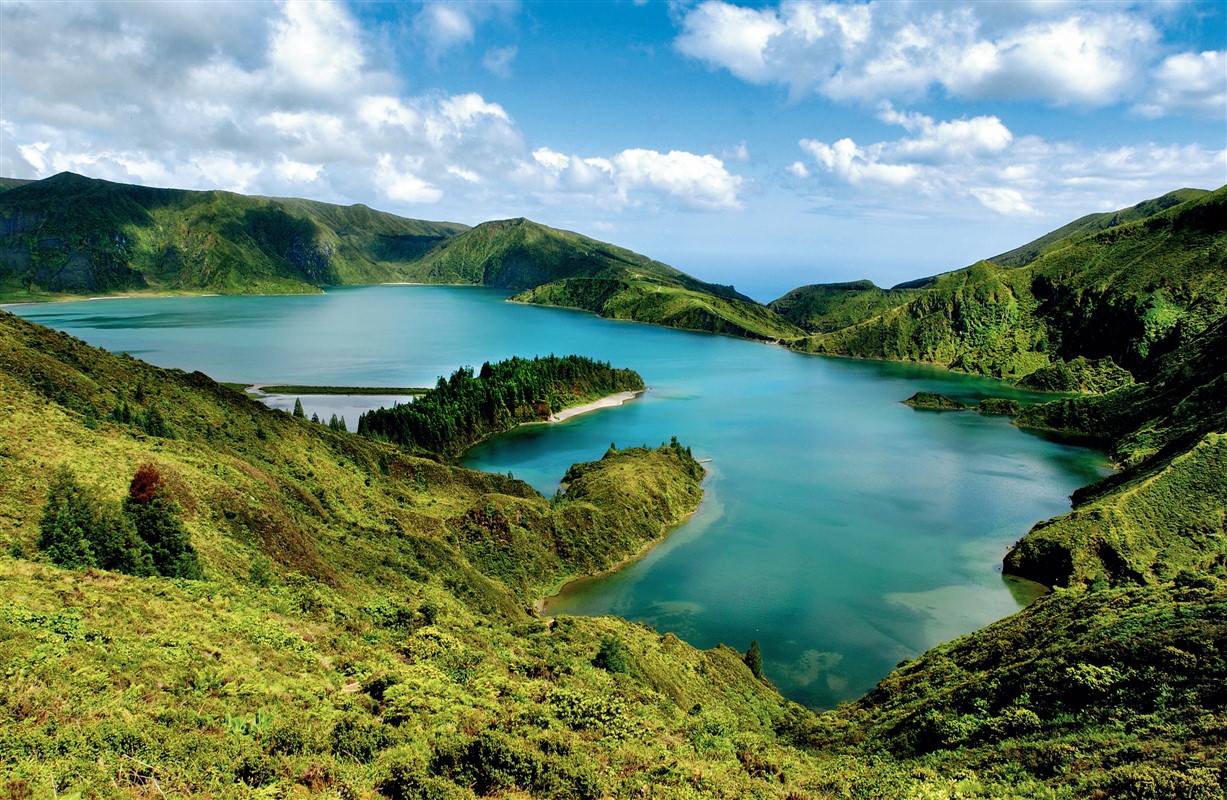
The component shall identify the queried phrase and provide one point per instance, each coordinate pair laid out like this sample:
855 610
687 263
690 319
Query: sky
767 145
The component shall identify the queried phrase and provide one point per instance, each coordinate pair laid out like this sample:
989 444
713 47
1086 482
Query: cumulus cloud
292 99
858 165
981 161
1061 53
1189 82
697 181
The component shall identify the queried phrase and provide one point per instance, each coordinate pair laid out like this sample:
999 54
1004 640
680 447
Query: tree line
467 407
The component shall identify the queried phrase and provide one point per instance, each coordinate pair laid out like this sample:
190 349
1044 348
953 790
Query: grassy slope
1110 694
826 307
1167 511
1127 293
1091 224
75 235
375 566
658 303
521 254
362 626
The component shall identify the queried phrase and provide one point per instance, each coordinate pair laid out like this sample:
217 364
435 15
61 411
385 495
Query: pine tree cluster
467 407
142 536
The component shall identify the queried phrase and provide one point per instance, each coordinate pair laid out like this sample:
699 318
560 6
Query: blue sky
767 145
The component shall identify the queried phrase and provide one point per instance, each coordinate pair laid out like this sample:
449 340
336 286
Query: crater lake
842 530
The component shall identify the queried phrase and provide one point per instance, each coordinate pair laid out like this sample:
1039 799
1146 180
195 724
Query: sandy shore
605 402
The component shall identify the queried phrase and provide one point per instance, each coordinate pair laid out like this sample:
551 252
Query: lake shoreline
541 605
609 401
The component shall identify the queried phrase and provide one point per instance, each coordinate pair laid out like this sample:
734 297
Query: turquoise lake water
842 530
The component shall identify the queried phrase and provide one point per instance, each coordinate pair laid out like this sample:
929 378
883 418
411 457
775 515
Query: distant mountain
560 268
1113 295
522 254
69 234
827 307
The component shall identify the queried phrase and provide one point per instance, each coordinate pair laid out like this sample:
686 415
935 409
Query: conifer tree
298 412
156 519
80 530
754 660
62 536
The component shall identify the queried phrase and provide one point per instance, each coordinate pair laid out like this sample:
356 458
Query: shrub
359 737
612 656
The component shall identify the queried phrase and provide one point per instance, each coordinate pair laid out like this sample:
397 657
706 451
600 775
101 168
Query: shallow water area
841 529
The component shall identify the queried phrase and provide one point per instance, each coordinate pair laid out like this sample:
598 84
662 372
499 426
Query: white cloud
315 48
858 165
980 160
1062 53
731 37
1005 201
444 26
739 152
295 102
1189 82
297 171
798 169
953 140
696 181
402 185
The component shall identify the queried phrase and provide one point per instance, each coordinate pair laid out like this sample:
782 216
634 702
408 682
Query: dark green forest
466 408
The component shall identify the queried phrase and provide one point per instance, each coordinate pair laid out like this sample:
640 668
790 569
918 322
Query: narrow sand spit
605 402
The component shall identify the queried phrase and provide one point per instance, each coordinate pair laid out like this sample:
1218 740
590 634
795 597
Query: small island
934 402
931 401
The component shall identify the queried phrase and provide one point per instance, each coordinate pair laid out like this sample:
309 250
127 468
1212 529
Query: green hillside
358 627
560 268
663 303
1166 512
1115 297
521 254
826 307
73 235
1091 224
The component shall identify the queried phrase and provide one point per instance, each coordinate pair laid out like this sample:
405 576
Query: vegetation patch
467 407
934 402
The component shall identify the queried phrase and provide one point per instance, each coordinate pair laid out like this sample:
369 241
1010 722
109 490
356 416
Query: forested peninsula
466 408
208 597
